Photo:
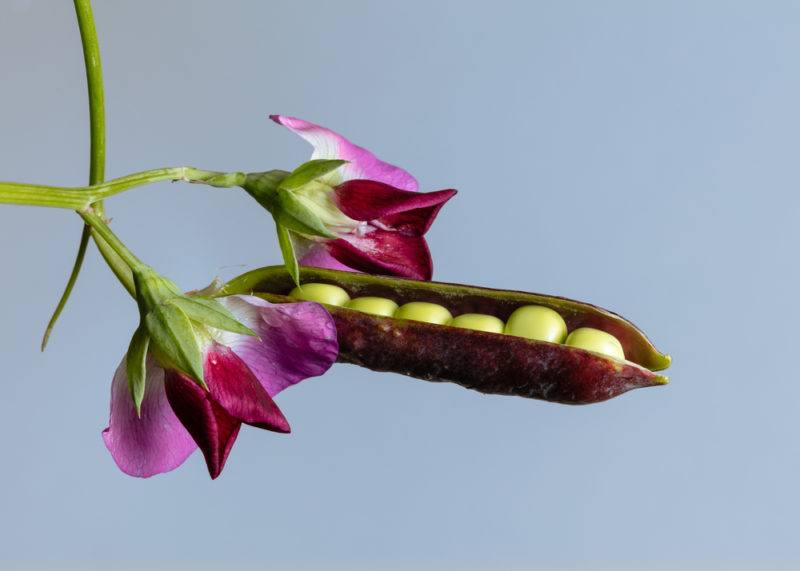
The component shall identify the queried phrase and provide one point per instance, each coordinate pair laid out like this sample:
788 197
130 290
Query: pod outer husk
487 362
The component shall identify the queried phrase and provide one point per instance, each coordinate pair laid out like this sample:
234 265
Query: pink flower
242 373
373 208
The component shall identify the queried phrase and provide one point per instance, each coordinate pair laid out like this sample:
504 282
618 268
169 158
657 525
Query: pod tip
660 380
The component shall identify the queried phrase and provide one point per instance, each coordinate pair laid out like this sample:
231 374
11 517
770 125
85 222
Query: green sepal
136 366
263 186
210 312
309 171
152 288
173 340
287 250
293 213
288 209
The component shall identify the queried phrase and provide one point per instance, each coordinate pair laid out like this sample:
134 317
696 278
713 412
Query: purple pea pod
492 363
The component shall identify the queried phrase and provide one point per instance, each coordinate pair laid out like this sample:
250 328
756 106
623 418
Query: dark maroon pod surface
487 362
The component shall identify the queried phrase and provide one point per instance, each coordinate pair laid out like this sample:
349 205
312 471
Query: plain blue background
638 155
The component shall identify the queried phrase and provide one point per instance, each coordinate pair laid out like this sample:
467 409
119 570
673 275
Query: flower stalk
101 229
83 197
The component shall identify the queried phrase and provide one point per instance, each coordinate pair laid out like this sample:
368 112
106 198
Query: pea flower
347 209
241 373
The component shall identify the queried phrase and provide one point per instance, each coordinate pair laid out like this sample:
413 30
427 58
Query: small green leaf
210 312
136 366
287 249
309 171
174 341
295 215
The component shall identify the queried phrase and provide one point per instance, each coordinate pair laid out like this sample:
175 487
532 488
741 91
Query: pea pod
487 362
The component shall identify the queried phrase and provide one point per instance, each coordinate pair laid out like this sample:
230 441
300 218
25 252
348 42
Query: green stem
80 198
97 130
92 196
73 277
38 195
118 267
94 81
118 185
101 229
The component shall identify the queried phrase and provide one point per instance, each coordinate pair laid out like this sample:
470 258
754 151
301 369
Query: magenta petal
362 163
311 253
382 252
319 257
412 212
212 428
155 443
236 389
296 340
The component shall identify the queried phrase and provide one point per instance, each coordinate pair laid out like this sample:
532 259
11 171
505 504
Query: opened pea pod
493 341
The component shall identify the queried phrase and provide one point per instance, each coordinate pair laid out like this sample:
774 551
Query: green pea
323 293
424 311
597 341
537 322
479 322
373 305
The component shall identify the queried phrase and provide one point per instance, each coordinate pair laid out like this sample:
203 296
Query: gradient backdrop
638 155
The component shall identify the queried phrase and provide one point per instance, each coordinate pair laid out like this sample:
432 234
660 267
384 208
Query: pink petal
319 257
412 212
311 253
210 425
296 340
236 389
155 443
363 164
383 252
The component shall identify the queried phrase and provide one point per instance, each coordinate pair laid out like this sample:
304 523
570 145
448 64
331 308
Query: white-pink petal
362 163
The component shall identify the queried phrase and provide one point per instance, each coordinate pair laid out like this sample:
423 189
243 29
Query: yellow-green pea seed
595 340
373 305
424 311
323 293
479 322
537 322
